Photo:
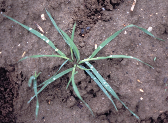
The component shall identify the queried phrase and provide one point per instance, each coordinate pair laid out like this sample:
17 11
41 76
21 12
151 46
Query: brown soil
96 21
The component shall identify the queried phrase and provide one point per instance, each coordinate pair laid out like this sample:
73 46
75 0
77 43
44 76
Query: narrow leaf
107 86
65 37
56 72
57 28
114 56
38 74
147 32
50 80
35 91
31 80
61 66
76 90
72 38
72 45
54 23
100 85
115 35
38 34
38 56
69 82
82 67
73 32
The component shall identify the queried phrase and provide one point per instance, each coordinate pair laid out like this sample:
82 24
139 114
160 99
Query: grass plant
75 58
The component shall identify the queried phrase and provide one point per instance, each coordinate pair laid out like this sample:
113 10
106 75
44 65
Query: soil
140 87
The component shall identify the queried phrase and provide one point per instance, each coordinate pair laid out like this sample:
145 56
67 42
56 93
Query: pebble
82 31
88 28
82 44
71 102
165 79
103 9
149 29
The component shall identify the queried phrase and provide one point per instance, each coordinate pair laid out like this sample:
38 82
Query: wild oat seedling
94 74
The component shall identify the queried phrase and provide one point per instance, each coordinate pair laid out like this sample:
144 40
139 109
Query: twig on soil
39 27
133 5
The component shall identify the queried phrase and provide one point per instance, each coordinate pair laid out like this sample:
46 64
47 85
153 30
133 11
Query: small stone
89 88
125 32
135 20
96 89
118 105
82 31
165 120
49 99
71 102
158 70
100 106
106 14
124 61
88 28
83 85
82 44
102 117
160 29
149 29
103 9
109 7
82 92
148 121
163 116
10 68
165 80
43 17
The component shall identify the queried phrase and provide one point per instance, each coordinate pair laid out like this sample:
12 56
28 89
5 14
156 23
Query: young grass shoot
75 56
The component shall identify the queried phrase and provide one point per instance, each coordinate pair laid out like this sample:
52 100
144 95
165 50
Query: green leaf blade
31 80
72 45
34 80
109 39
72 38
107 86
77 92
57 28
73 32
50 80
67 39
114 56
100 85
147 32
38 34
79 66
38 56
37 102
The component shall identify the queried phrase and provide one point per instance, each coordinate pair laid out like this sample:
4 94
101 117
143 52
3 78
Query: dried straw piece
133 5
